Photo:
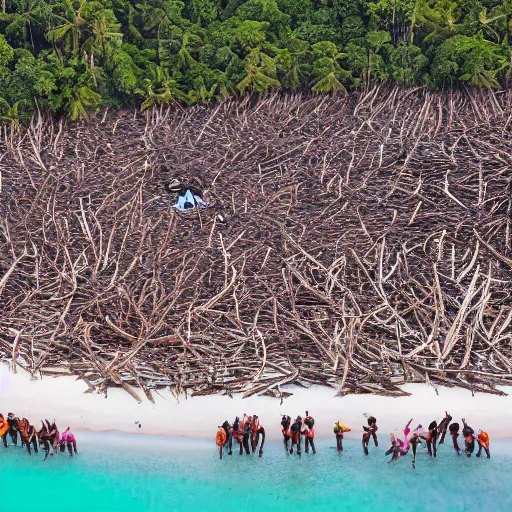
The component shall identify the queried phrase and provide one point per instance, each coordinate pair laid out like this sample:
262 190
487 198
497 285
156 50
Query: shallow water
121 473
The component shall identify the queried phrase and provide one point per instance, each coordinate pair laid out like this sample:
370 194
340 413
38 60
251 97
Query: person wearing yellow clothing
339 429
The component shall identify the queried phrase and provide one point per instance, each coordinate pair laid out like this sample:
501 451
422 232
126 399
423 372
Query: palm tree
70 29
35 13
9 115
183 58
160 89
88 28
327 68
261 73
82 98
200 93
102 32
329 83
441 19
290 62
502 14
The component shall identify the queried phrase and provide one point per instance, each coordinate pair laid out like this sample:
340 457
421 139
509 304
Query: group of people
48 436
294 431
434 432
246 432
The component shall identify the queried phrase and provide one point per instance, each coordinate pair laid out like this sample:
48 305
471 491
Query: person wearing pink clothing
406 444
400 448
67 439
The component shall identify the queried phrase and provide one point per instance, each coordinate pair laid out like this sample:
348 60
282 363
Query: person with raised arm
469 438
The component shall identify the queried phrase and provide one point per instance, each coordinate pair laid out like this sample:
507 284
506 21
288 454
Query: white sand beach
63 398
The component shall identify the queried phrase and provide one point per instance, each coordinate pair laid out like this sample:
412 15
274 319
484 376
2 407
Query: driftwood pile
359 242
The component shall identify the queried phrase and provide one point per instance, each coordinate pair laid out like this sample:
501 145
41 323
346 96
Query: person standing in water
246 422
369 431
415 439
309 433
286 422
405 444
454 432
372 422
395 450
220 440
483 442
432 439
296 431
443 426
339 429
237 433
469 438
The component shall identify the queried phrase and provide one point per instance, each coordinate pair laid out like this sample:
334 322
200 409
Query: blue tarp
189 201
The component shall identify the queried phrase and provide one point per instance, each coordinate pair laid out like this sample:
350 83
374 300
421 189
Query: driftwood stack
358 242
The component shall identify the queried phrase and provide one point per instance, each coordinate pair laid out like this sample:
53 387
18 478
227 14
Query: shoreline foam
63 398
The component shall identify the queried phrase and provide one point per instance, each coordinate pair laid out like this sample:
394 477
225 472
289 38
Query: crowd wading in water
249 433
246 432
48 437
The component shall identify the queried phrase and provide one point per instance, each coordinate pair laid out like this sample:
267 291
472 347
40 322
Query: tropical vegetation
72 56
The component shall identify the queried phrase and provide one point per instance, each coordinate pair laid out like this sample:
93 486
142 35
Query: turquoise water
121 473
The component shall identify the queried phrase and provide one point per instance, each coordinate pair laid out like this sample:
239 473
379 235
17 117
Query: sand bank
63 398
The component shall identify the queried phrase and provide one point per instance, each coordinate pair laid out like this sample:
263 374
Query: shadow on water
119 472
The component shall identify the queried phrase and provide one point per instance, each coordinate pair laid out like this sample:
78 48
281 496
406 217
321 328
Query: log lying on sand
358 243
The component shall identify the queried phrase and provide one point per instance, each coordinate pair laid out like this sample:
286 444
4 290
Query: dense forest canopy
68 56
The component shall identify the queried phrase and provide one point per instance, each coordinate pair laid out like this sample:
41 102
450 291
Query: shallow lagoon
120 473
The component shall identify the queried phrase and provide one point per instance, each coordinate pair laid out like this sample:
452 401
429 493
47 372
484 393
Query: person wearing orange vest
483 442
4 429
221 439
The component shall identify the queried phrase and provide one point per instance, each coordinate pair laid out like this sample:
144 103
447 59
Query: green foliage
251 34
327 69
6 52
66 89
329 83
70 56
261 71
469 59
298 10
264 10
160 88
406 62
204 11
124 72
9 114
352 28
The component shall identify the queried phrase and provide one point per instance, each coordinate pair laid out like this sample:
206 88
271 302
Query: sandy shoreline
63 398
